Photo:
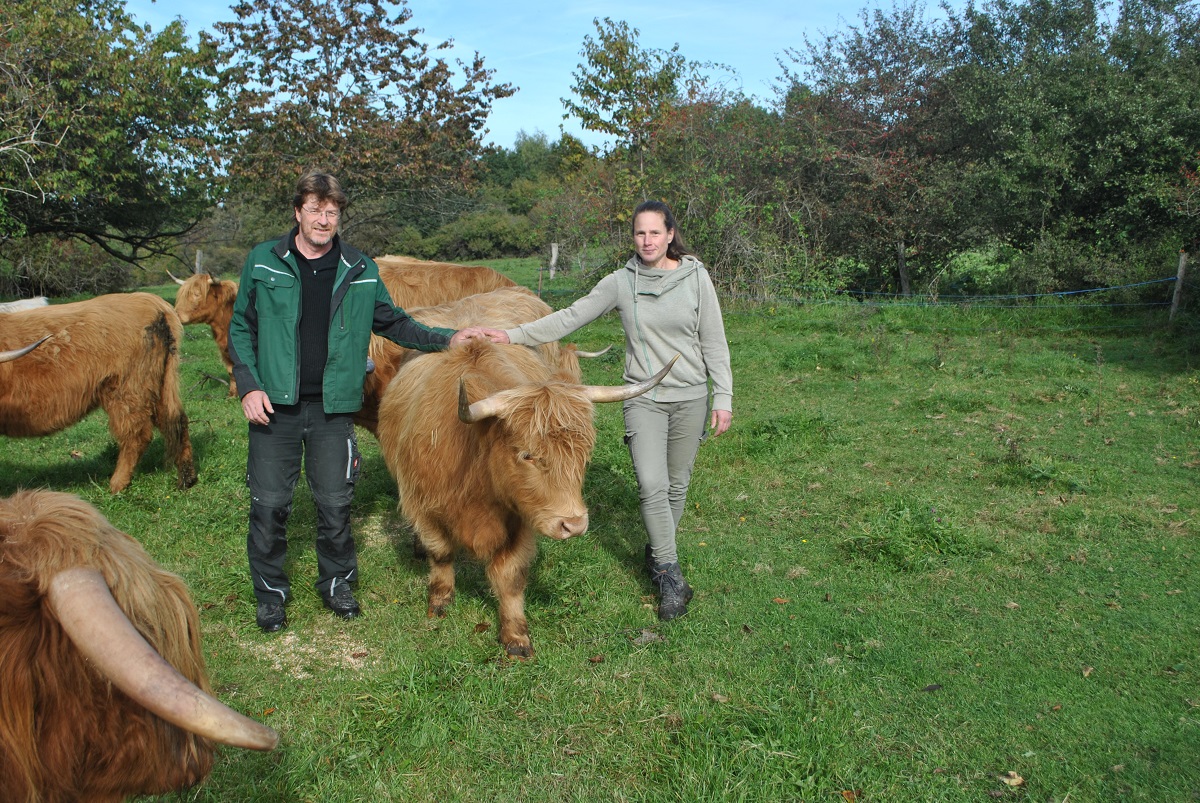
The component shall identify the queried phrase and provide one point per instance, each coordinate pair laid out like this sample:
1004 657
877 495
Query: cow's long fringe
66 734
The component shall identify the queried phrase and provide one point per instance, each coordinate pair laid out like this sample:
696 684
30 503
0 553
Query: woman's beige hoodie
664 313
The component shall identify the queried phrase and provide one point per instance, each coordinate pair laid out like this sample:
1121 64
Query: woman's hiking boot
674 593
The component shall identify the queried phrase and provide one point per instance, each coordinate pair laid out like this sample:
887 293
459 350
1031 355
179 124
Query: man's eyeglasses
332 214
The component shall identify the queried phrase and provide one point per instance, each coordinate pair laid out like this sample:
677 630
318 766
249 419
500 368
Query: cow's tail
170 416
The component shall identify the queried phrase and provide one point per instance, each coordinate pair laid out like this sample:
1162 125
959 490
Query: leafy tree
624 89
346 85
1080 123
876 90
103 127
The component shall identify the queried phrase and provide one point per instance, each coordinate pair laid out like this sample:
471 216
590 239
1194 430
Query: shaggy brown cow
487 477
204 299
502 308
101 671
119 352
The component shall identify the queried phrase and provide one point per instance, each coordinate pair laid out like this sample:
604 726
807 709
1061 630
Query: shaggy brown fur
66 733
502 308
118 352
203 299
491 486
417 283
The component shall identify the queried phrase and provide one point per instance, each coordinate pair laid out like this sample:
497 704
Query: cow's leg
439 549
508 571
130 427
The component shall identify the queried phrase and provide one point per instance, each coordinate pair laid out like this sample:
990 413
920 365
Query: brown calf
204 299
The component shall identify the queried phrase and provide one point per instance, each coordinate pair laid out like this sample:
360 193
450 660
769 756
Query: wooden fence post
1178 283
553 258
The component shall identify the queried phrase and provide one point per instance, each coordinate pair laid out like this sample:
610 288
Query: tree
876 90
624 89
345 85
103 127
1081 121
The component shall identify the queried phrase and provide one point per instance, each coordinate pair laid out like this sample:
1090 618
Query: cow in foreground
486 476
501 308
119 352
205 299
101 670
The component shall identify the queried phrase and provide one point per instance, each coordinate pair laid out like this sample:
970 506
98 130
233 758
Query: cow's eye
527 456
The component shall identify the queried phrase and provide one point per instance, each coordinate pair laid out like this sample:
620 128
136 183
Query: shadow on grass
614 518
70 473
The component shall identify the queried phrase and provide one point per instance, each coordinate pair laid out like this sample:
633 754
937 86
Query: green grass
938 546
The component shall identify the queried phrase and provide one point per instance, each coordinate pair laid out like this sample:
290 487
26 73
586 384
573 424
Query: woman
667 306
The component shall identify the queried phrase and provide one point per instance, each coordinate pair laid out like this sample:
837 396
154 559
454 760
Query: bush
43 266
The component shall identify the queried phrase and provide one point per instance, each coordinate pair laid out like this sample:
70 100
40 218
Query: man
305 310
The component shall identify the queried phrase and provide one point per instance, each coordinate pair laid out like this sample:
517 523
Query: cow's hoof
519 651
435 612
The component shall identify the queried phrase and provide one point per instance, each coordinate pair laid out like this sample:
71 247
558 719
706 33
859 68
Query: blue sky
535 45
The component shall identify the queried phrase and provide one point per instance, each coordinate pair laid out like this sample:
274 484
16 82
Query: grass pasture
944 554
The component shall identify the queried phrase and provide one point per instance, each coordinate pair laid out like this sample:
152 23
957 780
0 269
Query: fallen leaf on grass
76 454
597 659
359 654
781 600
932 687
1118 767
483 627
647 637
268 711
1010 778
1088 670
719 698
851 795
747 629
570 751
1011 605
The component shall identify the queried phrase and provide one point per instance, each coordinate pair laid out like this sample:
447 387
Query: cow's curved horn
176 278
5 356
605 393
484 408
100 630
590 354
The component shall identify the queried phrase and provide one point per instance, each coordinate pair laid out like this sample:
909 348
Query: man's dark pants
329 449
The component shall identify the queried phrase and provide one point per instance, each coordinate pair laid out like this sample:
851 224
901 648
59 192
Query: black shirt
316 284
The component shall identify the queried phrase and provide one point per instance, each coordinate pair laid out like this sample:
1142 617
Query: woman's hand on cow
478 333
721 419
257 407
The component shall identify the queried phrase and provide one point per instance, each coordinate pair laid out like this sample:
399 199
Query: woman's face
650 238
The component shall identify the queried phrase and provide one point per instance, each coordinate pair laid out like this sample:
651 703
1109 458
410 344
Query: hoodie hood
656 281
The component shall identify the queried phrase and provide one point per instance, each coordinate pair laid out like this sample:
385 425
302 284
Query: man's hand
721 419
257 407
478 333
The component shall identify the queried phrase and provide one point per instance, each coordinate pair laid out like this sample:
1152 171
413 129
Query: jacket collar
351 256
